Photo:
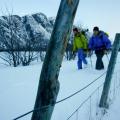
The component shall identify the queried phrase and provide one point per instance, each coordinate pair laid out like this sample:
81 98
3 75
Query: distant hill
21 31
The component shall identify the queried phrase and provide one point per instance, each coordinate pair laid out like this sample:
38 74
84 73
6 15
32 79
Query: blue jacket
99 42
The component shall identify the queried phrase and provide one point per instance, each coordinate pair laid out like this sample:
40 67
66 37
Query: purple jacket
99 42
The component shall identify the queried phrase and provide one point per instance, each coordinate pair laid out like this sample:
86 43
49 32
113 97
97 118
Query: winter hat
96 28
75 29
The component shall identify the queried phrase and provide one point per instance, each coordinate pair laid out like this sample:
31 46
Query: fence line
89 98
84 101
44 107
77 110
63 98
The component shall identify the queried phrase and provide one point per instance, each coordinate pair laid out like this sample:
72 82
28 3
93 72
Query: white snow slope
18 89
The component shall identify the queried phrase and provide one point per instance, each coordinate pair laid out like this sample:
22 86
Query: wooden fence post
104 97
48 84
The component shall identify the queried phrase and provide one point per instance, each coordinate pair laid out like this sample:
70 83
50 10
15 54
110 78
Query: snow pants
99 62
81 58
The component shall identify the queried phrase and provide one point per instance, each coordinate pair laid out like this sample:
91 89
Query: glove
107 51
73 54
90 52
86 50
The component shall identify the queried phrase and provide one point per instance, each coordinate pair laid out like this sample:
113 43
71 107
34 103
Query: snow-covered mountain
35 28
29 31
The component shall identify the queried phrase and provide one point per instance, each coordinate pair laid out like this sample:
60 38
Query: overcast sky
90 13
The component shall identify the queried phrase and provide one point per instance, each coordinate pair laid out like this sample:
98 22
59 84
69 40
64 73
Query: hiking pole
107 57
90 54
91 61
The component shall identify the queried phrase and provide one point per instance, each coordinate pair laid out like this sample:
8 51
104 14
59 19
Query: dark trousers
99 62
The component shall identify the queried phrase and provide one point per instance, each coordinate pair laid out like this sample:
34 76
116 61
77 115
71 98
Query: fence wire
37 109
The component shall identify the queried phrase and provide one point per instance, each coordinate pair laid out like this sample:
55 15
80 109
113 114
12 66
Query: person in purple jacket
99 42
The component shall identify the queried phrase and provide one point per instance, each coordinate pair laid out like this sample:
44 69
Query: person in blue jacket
99 42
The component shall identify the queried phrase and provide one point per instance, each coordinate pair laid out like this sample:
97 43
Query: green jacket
80 42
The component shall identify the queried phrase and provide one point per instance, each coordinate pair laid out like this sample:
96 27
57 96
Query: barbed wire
41 108
61 99
81 89
114 90
84 101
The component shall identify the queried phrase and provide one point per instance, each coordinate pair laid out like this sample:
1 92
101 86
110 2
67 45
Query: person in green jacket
80 46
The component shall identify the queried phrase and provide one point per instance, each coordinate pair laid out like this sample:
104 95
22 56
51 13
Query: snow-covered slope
18 89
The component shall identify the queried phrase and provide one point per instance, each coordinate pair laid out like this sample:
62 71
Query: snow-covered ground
18 89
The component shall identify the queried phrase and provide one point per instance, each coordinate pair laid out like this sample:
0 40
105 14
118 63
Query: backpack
101 37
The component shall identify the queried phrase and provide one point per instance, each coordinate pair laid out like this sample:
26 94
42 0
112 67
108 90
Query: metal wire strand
61 99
